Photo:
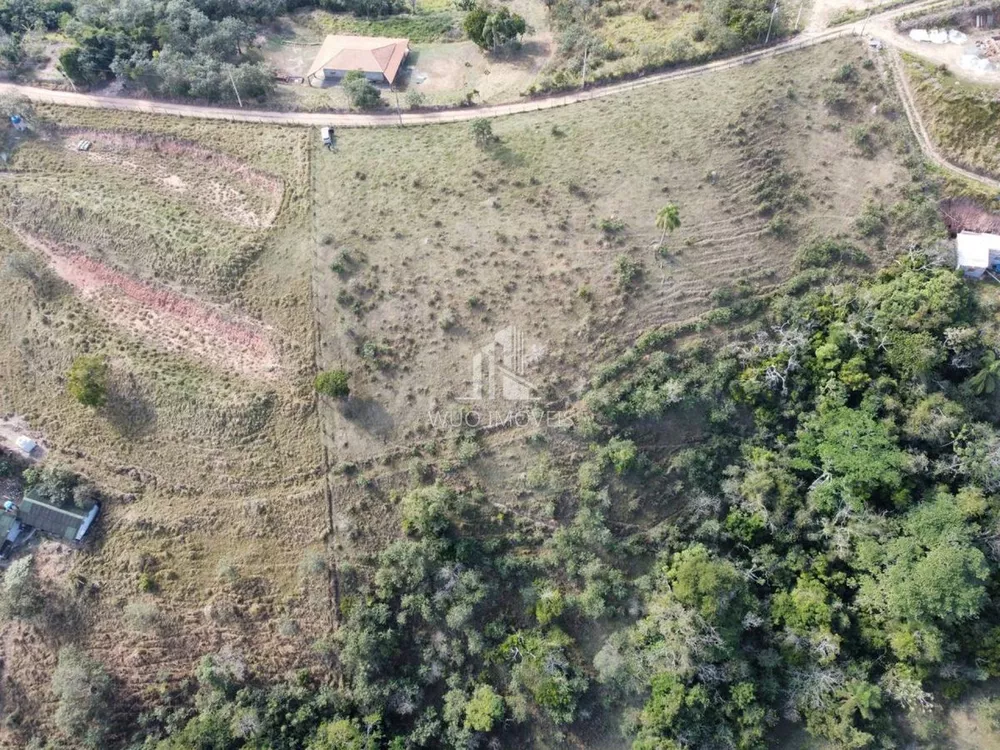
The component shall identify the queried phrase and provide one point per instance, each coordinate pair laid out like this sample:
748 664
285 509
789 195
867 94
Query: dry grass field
196 257
430 244
180 252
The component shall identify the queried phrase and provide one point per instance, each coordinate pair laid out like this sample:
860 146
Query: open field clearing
961 117
429 243
180 253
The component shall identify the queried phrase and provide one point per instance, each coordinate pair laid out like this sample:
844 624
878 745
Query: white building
977 253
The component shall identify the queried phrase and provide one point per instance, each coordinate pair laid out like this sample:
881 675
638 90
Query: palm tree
668 219
986 380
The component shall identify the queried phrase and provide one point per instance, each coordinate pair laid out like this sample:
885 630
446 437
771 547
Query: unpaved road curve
348 120
920 130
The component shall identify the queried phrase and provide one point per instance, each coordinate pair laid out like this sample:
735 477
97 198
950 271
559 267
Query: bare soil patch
228 187
168 319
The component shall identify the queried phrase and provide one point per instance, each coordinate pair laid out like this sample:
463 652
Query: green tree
482 132
87 380
83 690
501 27
986 380
668 219
474 23
710 586
340 734
20 597
334 383
361 93
484 709
540 665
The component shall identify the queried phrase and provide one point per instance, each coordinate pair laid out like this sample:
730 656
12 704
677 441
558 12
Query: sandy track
348 120
167 318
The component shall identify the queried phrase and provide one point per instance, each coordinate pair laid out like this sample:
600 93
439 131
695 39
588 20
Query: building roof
66 524
371 54
977 250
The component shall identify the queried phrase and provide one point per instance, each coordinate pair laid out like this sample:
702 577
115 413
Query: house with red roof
378 57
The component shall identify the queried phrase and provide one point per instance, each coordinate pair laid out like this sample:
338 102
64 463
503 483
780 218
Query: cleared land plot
430 244
212 466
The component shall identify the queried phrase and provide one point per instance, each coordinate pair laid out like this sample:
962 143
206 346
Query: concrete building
978 253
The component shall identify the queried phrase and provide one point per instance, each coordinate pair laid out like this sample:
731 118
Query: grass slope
213 477
429 244
960 116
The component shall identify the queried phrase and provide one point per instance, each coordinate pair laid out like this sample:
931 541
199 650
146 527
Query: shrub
87 381
611 226
83 689
873 219
147 582
333 383
142 616
415 99
824 252
19 594
626 271
845 74
863 138
361 93
482 132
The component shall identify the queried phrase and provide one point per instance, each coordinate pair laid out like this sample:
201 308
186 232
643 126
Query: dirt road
348 120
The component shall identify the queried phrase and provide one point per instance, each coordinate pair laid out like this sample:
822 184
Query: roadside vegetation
613 40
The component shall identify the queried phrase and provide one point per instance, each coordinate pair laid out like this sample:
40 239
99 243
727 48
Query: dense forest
821 547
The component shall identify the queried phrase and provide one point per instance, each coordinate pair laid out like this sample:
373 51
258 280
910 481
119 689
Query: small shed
62 523
978 252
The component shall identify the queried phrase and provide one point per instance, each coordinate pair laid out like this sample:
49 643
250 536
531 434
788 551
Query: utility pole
865 23
68 79
799 16
770 23
583 81
233 81
399 112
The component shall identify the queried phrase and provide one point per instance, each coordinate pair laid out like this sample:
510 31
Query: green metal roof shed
69 525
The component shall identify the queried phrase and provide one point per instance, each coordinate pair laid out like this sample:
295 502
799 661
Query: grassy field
960 116
184 251
180 252
429 243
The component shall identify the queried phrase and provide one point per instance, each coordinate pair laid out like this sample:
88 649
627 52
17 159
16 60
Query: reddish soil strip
170 320
113 146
